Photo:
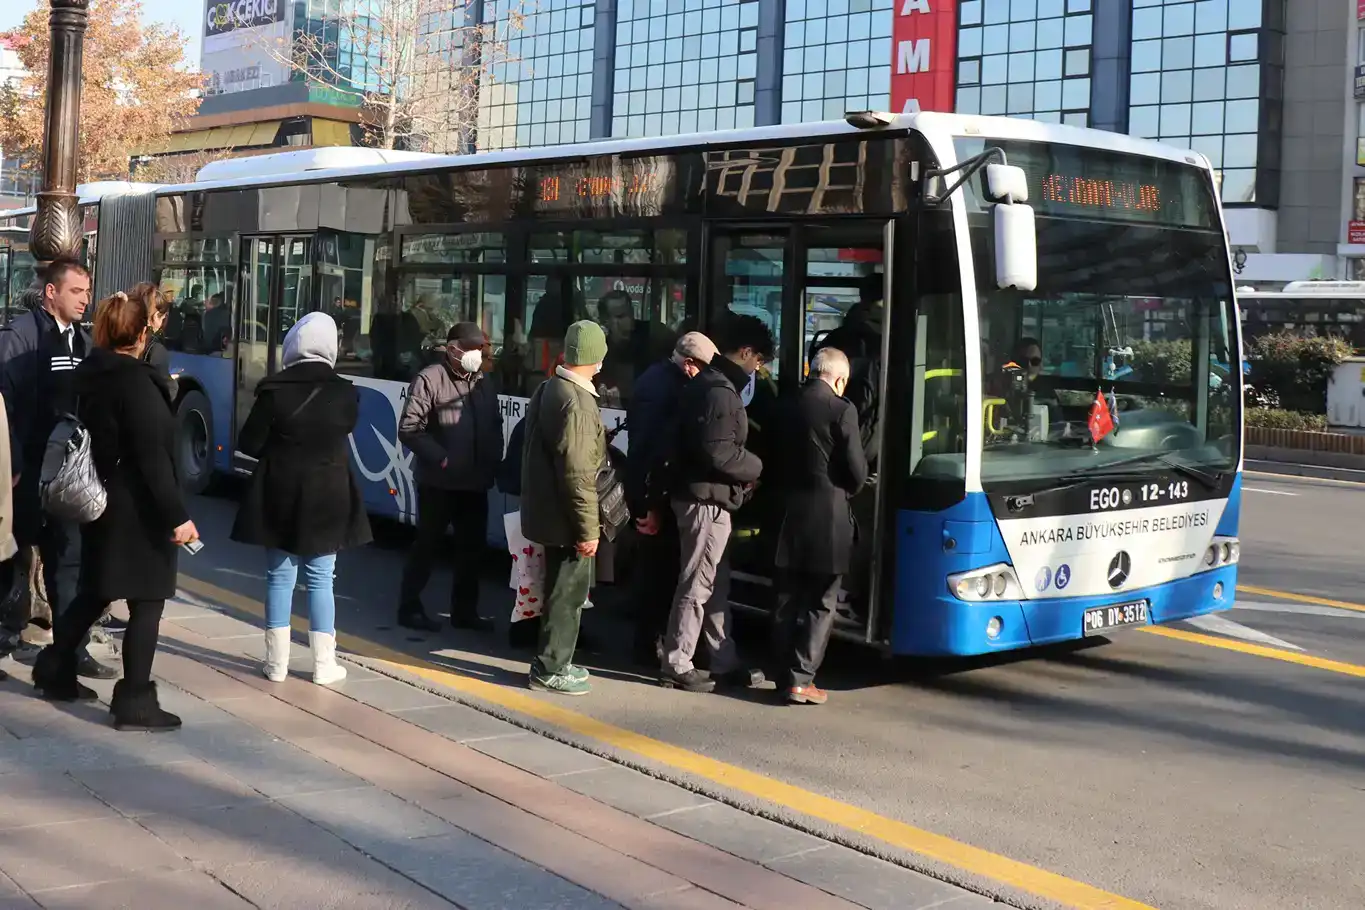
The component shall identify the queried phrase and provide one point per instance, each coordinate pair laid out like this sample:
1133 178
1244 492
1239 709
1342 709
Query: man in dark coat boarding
822 466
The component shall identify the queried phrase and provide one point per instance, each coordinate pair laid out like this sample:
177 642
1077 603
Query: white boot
276 666
326 670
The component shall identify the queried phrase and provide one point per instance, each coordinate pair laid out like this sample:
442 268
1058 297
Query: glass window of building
684 66
1196 82
836 57
1026 58
539 91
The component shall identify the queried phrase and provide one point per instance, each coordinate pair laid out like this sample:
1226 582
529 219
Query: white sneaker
276 665
326 670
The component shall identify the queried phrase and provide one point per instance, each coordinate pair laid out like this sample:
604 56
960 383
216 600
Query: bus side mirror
1016 247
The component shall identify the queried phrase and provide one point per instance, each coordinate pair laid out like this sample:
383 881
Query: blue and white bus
1015 273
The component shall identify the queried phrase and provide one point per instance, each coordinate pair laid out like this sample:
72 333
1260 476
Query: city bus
1005 512
1335 308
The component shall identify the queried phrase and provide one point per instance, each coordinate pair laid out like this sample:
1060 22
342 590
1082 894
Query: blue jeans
282 574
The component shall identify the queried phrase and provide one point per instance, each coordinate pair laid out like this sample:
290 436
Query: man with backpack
39 352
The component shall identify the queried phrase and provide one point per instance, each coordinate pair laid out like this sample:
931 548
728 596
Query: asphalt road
1169 772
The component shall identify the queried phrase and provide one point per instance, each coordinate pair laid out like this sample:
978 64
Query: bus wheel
194 442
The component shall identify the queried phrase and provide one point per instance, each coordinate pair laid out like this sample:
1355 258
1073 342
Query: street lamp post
57 229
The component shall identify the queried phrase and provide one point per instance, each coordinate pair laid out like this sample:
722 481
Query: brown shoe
806 695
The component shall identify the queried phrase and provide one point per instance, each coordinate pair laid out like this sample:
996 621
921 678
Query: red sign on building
1360 9
1355 232
924 55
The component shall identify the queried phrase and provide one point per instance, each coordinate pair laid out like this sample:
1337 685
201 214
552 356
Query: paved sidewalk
375 795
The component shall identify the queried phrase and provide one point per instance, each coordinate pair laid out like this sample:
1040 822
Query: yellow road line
1004 870
1301 598
1228 644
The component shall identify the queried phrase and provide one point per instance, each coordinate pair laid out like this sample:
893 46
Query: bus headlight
997 582
1223 551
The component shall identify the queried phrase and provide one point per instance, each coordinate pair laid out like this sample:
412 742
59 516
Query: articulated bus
1025 282
1335 308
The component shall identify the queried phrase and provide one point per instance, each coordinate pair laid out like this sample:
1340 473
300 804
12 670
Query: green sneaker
560 684
576 672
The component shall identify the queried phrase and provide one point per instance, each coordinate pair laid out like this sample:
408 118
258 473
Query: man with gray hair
822 467
653 424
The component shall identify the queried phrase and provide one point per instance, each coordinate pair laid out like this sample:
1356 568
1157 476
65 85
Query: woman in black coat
130 552
303 505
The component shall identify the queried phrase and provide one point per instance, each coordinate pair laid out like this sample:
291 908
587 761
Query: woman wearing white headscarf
304 506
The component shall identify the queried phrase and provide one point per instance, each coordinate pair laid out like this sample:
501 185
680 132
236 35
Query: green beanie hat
585 343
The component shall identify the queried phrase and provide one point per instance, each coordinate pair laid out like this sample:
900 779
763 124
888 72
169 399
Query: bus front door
274 291
813 285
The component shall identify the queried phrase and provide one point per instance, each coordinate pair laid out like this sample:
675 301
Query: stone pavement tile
739 880
368 817
479 876
874 883
740 833
383 768
263 762
194 711
182 608
633 792
459 722
391 695
174 891
277 718
358 884
578 859
198 679
82 853
25 715
32 797
18 902
539 755
126 750
686 899
219 627
170 788
215 839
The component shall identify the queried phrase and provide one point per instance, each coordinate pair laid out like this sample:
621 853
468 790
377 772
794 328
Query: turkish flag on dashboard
1101 420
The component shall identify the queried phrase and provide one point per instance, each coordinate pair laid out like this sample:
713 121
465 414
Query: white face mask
471 361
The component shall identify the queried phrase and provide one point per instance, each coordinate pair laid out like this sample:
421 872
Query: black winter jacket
653 423
36 381
303 498
127 553
713 465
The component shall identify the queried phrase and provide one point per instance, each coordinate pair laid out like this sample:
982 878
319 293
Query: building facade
1267 89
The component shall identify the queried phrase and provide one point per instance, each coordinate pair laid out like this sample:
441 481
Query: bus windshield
1132 321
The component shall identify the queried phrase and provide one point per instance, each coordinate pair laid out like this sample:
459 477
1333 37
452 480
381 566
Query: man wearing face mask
453 426
715 474
822 467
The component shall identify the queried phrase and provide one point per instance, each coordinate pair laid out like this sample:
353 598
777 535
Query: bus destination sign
1104 197
607 186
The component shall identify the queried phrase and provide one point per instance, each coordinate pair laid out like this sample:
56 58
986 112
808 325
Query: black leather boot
135 708
54 676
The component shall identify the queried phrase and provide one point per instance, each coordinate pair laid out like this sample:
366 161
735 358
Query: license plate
1099 620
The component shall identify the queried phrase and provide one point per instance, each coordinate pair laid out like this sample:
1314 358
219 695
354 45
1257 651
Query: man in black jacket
653 424
714 475
39 351
822 468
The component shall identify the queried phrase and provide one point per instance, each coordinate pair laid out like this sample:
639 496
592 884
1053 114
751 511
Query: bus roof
939 128
1297 290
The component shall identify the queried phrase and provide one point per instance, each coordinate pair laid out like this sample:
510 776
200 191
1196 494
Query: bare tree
415 67
176 168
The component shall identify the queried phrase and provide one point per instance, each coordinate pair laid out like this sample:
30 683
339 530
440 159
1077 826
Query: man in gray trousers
715 474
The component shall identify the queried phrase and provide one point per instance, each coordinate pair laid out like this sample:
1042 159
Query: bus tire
194 442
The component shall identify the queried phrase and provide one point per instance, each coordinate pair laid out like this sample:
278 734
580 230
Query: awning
221 138
331 132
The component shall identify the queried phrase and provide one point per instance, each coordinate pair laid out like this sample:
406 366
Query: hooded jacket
455 419
303 498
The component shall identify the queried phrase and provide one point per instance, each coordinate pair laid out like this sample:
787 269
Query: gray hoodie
313 339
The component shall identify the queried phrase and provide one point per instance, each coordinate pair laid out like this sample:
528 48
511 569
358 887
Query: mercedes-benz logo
1119 567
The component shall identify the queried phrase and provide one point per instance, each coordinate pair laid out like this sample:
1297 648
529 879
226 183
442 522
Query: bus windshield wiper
1111 469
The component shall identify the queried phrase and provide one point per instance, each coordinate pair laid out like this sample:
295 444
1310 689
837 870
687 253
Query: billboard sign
223 16
924 55
245 59
1360 81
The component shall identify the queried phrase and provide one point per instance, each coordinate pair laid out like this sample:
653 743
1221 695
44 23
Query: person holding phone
131 551
304 504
